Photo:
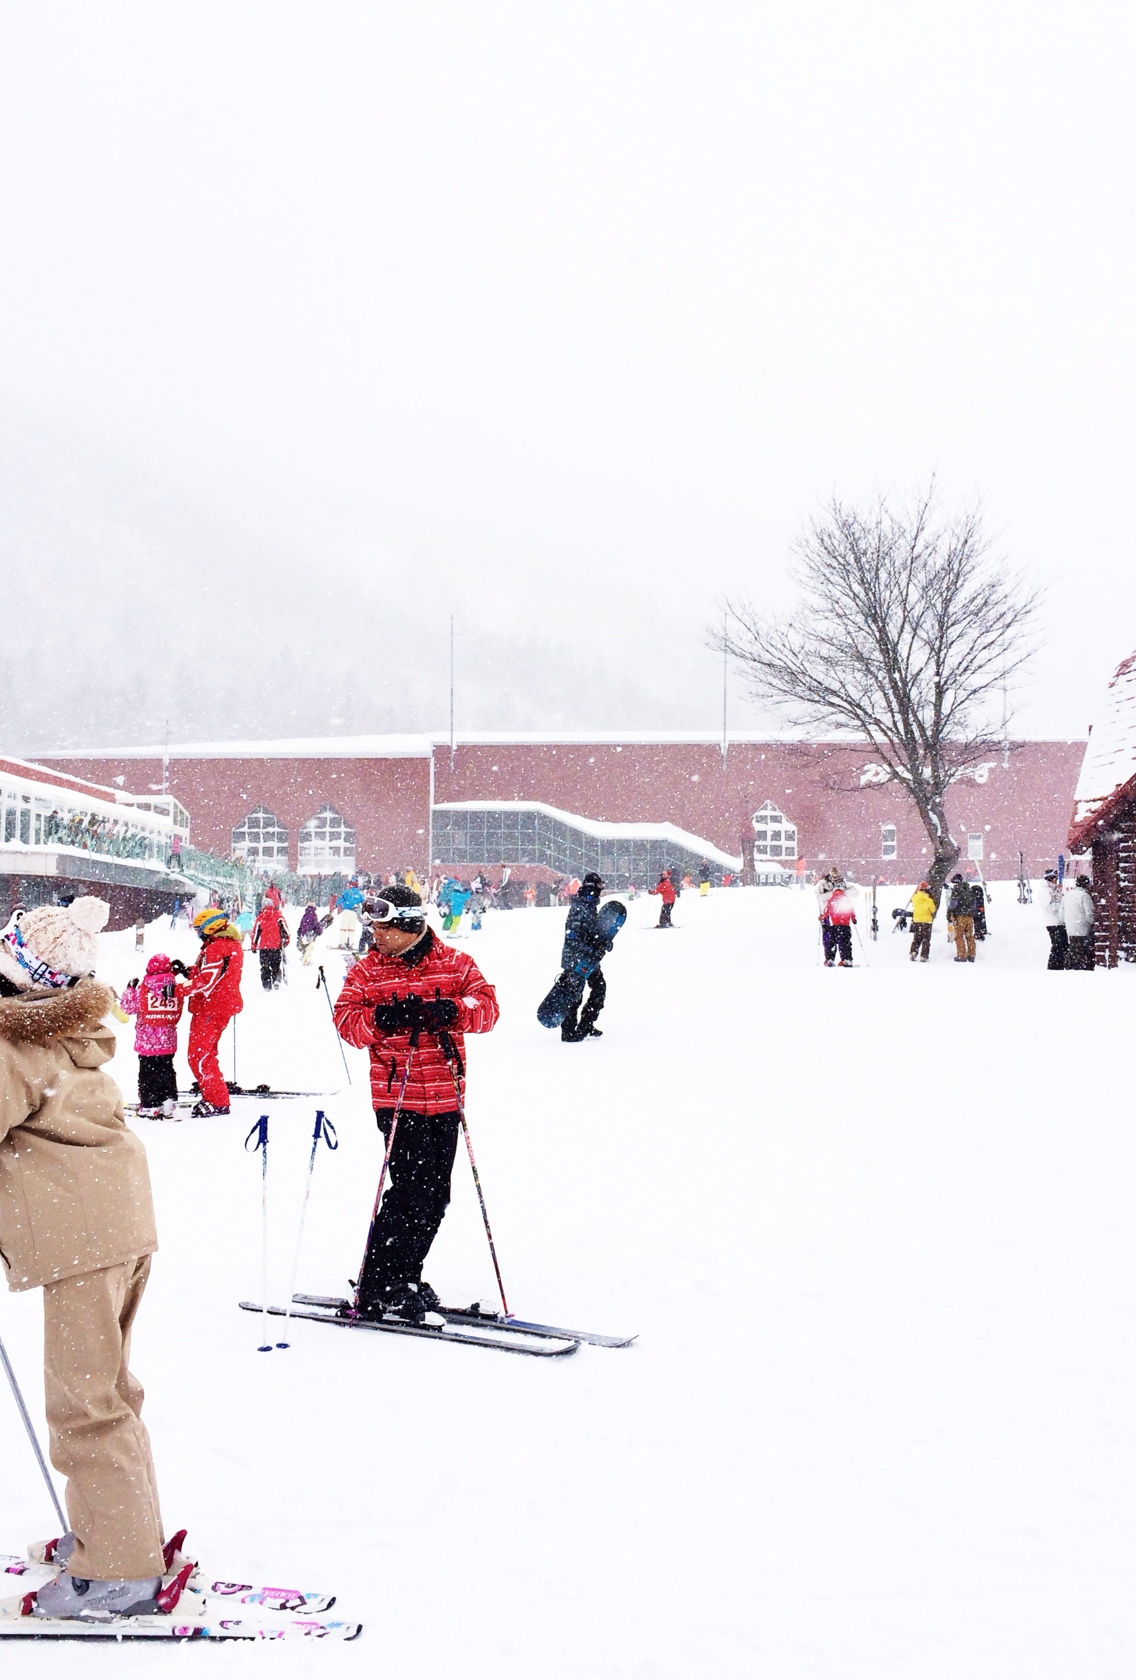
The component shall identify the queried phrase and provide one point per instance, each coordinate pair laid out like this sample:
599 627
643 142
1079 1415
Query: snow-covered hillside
875 1232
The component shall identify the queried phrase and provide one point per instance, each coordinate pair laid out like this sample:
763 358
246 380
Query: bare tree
908 635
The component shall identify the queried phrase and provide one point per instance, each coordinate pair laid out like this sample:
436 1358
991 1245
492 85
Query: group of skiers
1069 917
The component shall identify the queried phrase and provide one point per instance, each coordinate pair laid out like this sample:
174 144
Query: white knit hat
50 946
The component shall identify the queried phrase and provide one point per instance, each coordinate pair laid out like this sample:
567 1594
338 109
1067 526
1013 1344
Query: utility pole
451 694
725 694
166 759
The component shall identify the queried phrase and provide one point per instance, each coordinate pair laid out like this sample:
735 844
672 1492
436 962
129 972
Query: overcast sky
593 303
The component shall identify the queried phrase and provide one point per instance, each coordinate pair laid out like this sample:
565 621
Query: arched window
774 836
261 838
889 845
327 844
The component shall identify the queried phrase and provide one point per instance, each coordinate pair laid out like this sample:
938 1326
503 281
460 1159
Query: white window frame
974 845
889 842
775 835
261 850
326 844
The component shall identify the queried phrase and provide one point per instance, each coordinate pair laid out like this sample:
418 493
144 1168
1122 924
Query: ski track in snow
874 1229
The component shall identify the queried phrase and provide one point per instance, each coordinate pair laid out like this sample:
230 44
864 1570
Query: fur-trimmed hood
38 1017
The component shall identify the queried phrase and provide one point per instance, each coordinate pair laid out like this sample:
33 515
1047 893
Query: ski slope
875 1230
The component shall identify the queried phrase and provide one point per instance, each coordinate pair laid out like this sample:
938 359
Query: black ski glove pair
179 968
413 1014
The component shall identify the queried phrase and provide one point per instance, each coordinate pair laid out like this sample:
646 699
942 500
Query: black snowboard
568 987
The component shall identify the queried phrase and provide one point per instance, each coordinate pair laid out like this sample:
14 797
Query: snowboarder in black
584 937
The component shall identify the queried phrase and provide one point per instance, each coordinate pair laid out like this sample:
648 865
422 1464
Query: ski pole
64 1525
322 981
449 1050
386 1163
258 1137
860 943
323 1129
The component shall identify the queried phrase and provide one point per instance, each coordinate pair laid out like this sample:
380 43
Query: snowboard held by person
214 998
77 1220
586 943
409 1002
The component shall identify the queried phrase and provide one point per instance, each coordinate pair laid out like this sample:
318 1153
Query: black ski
428 1332
474 1315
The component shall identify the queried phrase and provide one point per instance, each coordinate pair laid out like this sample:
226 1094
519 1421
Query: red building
369 802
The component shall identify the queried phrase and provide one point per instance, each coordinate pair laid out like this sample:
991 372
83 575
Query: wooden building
1104 819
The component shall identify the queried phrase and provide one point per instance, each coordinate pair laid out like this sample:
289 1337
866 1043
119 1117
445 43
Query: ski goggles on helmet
381 912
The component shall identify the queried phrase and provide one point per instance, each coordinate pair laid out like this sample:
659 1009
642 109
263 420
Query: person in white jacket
1054 914
1079 924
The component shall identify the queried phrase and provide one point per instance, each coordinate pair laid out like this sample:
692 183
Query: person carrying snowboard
587 941
408 1002
214 998
666 891
77 1220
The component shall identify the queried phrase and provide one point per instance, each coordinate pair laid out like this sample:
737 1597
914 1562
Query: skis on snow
202 1609
474 1316
498 1337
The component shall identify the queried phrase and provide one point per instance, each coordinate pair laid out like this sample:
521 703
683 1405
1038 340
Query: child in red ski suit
214 998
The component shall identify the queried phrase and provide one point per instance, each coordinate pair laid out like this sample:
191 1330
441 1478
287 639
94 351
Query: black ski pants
157 1081
572 1029
270 963
920 940
665 914
1058 947
415 1201
1080 952
841 946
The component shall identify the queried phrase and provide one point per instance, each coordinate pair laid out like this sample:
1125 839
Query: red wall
1023 806
387 800
1026 805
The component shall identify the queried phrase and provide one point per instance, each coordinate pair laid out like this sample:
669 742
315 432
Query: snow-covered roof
422 745
1108 771
604 830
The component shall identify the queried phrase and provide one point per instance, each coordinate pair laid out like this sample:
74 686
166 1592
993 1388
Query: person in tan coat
77 1221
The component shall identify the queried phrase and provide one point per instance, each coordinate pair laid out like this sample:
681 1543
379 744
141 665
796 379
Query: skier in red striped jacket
409 1001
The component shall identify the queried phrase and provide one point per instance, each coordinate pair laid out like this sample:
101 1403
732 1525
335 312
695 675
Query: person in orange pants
214 998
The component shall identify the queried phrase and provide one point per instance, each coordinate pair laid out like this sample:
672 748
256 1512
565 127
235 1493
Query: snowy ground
875 1230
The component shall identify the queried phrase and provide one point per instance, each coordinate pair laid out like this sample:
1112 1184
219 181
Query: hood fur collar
36 1017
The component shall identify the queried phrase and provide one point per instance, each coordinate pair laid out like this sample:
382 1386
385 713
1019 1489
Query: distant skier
157 1002
77 1220
1054 913
308 932
270 938
585 939
408 1001
839 913
704 880
666 891
348 905
923 912
960 918
214 998
1079 918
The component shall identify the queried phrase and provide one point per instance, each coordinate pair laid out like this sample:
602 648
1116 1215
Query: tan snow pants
97 1438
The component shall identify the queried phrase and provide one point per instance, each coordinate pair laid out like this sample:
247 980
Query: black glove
399 1015
178 967
131 985
439 1015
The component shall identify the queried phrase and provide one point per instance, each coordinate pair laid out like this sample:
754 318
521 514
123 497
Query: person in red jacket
840 915
666 891
214 998
409 1001
269 937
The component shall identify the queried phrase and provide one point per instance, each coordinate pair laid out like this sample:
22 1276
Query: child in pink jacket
157 1002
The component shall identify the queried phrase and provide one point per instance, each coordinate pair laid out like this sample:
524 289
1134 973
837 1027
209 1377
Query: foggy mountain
141 588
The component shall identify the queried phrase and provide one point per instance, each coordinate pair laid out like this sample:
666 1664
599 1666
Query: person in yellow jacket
923 911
